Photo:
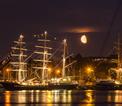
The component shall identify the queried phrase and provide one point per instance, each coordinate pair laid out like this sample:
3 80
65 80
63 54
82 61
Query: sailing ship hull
102 85
63 86
106 85
16 86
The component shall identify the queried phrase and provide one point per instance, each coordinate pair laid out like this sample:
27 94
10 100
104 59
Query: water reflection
63 97
118 96
7 98
22 96
89 98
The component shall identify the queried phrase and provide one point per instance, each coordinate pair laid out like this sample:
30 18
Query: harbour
16 73
61 53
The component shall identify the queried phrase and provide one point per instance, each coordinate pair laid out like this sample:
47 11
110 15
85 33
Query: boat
18 74
105 85
112 84
64 82
20 80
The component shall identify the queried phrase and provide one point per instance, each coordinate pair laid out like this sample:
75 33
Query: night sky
100 20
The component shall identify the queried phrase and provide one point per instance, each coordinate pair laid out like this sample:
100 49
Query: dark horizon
99 20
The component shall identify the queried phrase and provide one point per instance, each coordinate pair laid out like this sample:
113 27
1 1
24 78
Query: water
61 98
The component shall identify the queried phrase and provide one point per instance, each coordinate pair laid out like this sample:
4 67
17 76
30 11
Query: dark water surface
61 98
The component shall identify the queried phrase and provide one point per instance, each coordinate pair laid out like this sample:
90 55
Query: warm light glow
119 70
44 67
21 36
58 72
117 82
84 39
49 70
45 32
7 70
89 98
64 59
49 98
89 69
7 98
21 98
64 79
45 52
64 40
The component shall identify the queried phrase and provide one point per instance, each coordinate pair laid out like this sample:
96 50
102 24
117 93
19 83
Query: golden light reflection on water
31 96
37 95
55 95
118 96
66 96
110 96
88 99
49 98
7 98
22 96
61 97
114 96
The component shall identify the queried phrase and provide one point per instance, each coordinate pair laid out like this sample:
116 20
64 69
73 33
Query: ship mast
42 50
18 62
64 57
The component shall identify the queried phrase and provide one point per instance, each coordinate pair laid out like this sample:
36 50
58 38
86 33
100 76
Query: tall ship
18 78
113 84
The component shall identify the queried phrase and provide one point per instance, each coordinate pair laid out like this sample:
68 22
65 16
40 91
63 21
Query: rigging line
110 28
58 64
54 52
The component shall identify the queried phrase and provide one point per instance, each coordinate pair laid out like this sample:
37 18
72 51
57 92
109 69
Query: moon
84 39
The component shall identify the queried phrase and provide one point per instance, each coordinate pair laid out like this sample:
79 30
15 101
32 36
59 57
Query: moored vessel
18 74
18 78
65 81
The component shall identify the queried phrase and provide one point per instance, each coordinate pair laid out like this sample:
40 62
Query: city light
58 72
49 70
8 70
89 69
